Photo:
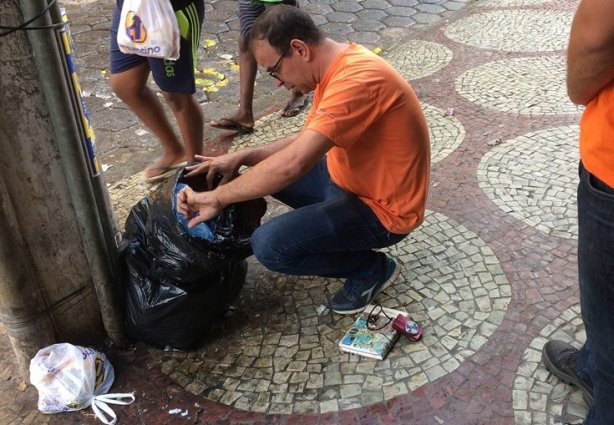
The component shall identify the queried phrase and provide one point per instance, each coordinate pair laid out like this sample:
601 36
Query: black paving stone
347 6
368 25
367 39
214 27
375 4
335 28
453 5
430 8
317 9
426 18
399 21
403 2
401 11
319 20
341 17
372 14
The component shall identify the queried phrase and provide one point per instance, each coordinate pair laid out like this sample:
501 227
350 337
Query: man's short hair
281 24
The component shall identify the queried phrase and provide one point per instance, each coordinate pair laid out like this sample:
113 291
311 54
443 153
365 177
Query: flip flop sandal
164 172
230 124
290 111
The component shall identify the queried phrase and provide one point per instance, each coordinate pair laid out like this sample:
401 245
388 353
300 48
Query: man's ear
302 48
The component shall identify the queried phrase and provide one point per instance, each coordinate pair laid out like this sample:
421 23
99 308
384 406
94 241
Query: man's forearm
277 169
254 155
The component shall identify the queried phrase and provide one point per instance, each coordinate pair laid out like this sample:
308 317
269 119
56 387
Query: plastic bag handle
100 407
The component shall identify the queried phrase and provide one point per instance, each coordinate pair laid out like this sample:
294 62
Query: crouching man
356 176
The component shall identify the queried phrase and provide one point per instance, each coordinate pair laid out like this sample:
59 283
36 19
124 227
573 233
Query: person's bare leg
189 117
247 78
131 87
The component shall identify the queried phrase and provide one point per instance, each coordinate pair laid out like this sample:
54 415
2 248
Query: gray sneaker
355 295
560 359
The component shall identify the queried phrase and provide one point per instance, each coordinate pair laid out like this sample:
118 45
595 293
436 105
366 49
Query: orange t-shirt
597 136
382 150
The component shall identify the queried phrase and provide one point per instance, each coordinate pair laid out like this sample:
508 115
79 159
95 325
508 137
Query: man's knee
261 246
268 250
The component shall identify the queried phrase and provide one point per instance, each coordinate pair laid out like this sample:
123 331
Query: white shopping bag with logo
69 377
149 28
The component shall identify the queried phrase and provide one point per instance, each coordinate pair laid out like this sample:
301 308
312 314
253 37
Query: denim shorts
171 76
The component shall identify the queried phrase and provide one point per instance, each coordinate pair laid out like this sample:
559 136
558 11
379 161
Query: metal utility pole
59 269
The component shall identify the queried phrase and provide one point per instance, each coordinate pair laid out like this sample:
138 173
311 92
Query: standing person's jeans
595 363
330 233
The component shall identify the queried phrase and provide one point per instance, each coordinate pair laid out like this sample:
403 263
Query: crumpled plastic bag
181 280
149 28
69 377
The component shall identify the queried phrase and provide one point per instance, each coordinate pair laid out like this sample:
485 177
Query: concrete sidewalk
491 273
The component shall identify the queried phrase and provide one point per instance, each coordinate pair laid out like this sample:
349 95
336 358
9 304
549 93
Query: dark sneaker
356 295
560 359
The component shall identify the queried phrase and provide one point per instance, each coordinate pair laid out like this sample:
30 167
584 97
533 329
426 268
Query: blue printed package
202 230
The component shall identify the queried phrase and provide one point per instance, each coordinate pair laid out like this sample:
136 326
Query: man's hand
226 166
198 207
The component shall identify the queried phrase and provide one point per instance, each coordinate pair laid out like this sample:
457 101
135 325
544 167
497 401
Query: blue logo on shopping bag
135 28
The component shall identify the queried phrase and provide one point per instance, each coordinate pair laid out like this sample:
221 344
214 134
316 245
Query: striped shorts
249 10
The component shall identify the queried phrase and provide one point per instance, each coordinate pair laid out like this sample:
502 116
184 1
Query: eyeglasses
272 71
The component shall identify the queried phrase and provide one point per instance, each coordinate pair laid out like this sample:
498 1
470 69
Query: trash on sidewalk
69 378
180 280
449 112
494 142
321 309
372 334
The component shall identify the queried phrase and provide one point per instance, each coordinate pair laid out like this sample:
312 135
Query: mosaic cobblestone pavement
446 132
507 3
531 86
451 282
538 397
417 58
491 273
533 178
541 32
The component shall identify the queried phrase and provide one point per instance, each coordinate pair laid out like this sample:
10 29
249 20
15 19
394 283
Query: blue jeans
595 363
330 232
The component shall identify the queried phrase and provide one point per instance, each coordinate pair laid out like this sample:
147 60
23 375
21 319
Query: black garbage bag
178 284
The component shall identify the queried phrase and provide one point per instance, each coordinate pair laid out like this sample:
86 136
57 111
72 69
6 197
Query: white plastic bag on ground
69 377
149 28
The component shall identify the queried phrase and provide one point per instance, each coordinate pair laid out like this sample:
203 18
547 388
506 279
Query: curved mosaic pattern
284 357
446 132
531 86
514 30
540 398
534 178
418 59
506 3
268 129
126 194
